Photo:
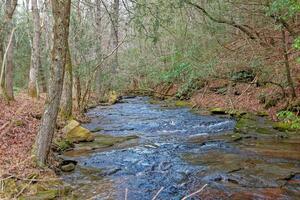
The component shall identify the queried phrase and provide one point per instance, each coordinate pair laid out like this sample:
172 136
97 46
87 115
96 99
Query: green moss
264 130
63 145
283 126
45 195
183 104
218 111
18 123
262 114
236 113
154 101
244 123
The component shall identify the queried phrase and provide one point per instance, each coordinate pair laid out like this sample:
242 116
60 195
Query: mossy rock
113 97
264 131
75 133
50 194
45 195
244 124
283 126
250 116
154 101
68 168
183 104
262 114
70 126
236 113
80 134
218 111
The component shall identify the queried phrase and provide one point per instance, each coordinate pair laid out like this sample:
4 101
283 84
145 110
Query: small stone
68 168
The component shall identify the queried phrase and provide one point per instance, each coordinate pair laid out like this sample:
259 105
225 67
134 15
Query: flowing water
169 155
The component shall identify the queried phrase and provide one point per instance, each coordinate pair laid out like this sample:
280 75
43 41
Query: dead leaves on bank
18 128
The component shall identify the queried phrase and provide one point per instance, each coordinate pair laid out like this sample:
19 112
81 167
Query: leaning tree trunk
66 99
61 15
35 52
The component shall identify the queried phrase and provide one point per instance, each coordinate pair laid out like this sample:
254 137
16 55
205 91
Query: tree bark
66 99
10 6
9 86
287 64
115 33
35 52
61 15
98 22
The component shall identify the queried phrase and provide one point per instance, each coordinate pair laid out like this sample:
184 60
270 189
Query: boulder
76 133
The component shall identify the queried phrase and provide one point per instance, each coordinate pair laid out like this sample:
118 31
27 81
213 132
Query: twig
156 195
22 190
198 191
3 126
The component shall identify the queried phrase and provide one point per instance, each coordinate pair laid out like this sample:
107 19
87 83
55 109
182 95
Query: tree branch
222 21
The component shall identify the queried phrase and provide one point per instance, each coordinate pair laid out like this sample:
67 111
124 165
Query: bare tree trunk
35 52
66 99
61 15
10 6
9 71
115 33
42 79
77 91
98 21
287 64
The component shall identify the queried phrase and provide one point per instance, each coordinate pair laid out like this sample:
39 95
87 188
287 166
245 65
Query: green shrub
290 118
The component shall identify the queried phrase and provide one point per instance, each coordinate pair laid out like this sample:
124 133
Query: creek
180 151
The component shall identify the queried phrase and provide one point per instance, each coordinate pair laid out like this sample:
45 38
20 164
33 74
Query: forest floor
18 128
245 97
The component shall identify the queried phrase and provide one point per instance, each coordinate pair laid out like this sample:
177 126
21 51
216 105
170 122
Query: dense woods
64 56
